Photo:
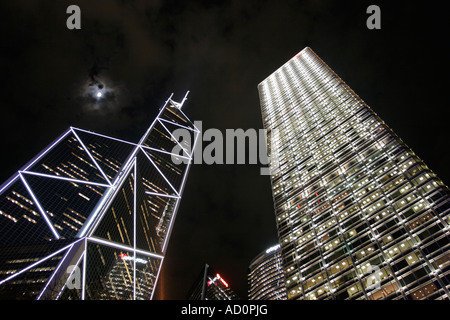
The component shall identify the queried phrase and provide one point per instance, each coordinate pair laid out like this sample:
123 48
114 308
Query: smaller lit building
210 285
266 277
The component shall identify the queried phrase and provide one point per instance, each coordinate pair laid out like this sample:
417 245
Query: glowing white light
99 94
276 247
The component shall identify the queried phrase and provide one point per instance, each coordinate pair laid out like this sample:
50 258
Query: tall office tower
359 215
90 216
266 276
211 286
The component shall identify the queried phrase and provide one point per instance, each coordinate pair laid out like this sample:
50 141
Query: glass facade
90 217
359 215
266 276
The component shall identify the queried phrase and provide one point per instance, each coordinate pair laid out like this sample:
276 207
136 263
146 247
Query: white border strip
104 136
35 264
156 167
124 247
179 125
55 233
173 138
64 178
162 195
90 156
162 151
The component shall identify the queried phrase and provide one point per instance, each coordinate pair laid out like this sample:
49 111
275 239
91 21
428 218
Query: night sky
142 51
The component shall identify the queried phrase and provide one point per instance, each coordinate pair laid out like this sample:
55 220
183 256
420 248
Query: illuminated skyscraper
359 215
90 216
266 276
211 286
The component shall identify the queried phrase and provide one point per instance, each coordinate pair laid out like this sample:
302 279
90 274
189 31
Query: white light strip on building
44 175
177 203
90 156
107 137
110 196
93 215
173 138
47 150
179 125
34 264
70 275
162 195
134 228
274 248
44 215
162 174
154 121
124 247
157 277
166 152
11 180
39 156
56 270
191 121
83 284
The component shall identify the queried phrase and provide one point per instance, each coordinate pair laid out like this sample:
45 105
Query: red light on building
218 277
224 283
221 280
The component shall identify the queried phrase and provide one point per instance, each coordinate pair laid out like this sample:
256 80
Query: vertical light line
157 278
134 226
83 284
109 195
123 173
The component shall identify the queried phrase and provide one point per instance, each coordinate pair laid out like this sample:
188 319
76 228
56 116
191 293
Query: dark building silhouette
210 285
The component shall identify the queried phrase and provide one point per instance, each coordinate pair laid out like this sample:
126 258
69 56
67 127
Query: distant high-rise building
211 286
359 214
266 276
90 216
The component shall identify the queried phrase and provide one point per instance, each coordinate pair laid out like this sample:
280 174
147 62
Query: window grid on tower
349 195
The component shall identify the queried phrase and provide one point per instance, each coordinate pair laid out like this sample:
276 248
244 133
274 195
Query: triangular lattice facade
90 217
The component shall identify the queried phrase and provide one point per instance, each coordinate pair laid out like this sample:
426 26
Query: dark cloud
142 51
